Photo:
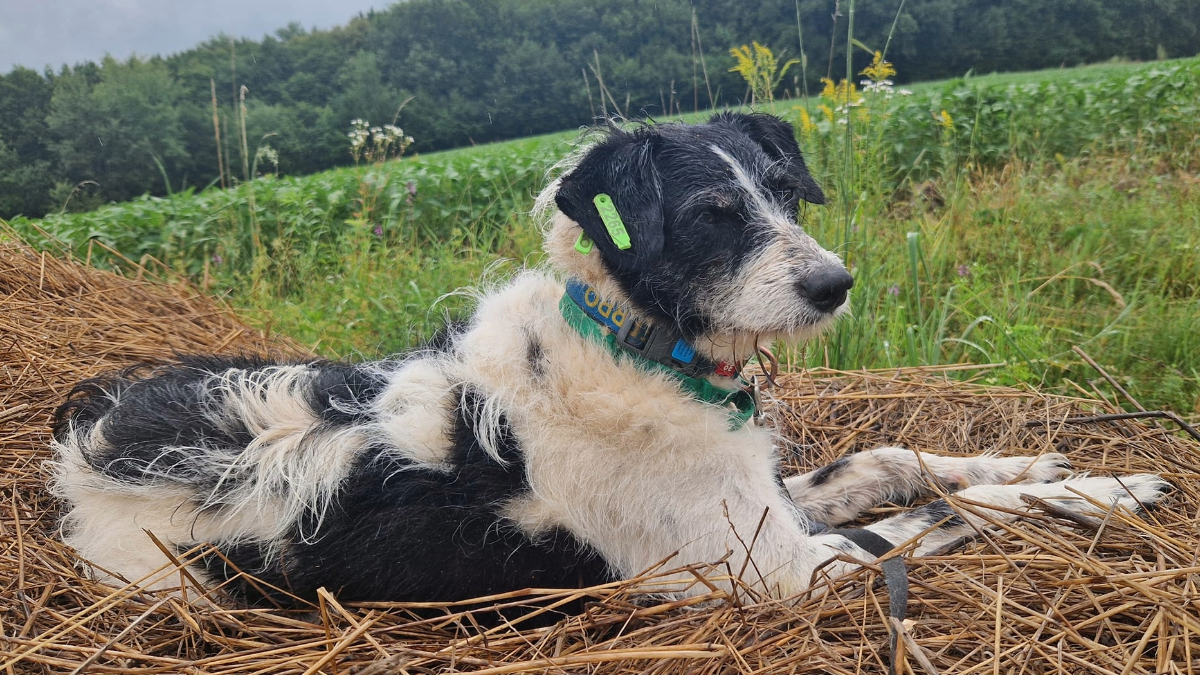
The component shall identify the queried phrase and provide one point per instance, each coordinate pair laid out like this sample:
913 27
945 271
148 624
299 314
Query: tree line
475 71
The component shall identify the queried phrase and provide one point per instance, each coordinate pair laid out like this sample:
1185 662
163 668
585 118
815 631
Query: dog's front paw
1139 490
1046 468
1094 494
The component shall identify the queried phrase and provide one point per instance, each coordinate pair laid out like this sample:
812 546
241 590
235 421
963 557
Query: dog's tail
90 400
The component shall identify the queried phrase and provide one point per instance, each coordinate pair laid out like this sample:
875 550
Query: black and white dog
586 424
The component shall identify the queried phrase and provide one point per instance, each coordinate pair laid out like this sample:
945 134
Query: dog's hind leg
839 492
975 506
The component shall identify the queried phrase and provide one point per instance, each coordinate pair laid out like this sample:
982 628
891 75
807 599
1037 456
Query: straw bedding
1117 595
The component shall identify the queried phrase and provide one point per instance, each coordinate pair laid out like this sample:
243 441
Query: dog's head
711 211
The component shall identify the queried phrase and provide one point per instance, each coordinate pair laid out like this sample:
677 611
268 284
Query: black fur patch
535 355
340 392
89 400
155 420
822 475
420 535
143 416
443 340
938 511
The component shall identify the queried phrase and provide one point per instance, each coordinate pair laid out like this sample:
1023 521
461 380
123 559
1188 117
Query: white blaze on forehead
764 296
763 208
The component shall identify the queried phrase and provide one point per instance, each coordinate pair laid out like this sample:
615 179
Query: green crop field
1001 219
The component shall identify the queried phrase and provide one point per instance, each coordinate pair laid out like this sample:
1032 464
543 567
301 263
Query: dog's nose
826 289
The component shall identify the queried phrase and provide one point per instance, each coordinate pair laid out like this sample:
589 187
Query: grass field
997 219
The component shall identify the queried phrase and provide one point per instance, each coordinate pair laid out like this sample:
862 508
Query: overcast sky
37 33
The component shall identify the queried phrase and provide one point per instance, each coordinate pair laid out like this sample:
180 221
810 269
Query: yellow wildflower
745 62
943 118
760 69
841 94
807 125
764 59
879 70
828 88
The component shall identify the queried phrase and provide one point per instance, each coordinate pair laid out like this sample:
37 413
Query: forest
484 70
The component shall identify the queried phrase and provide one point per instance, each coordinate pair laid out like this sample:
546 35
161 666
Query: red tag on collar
725 369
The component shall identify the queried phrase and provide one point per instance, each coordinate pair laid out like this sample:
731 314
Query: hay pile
1048 595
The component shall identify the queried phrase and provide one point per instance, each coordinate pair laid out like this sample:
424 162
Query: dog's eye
706 217
789 195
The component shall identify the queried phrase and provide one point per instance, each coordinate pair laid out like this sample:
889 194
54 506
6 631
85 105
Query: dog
587 423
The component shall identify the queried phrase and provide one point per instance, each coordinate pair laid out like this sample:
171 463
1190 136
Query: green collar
739 402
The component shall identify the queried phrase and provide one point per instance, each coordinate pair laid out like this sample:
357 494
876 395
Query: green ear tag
612 221
583 243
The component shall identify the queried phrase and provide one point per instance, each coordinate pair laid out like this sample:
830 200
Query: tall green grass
1016 266
1005 224
999 219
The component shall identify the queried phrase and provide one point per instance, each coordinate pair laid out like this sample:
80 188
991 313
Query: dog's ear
622 167
778 139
